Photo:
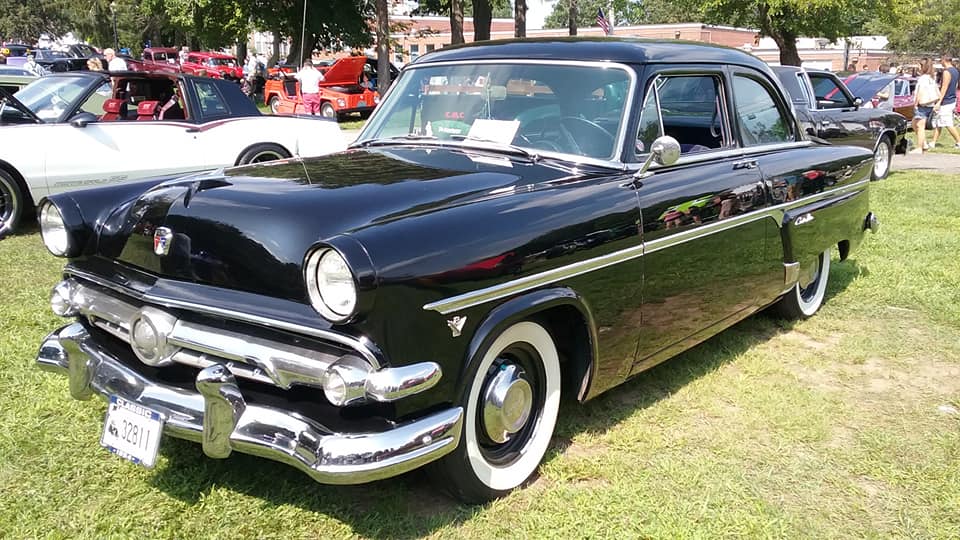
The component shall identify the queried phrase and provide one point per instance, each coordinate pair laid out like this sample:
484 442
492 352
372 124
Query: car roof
596 49
159 49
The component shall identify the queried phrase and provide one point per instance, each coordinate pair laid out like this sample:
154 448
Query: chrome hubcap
507 403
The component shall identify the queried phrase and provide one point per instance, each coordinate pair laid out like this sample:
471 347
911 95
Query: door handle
193 130
745 164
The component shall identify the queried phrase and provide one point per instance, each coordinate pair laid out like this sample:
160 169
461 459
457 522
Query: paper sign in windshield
501 131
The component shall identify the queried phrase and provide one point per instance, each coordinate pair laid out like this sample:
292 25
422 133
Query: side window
211 102
760 121
828 92
687 108
94 103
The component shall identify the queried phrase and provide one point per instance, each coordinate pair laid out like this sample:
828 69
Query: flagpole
303 34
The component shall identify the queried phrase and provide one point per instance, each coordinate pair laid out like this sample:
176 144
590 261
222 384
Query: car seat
114 109
147 110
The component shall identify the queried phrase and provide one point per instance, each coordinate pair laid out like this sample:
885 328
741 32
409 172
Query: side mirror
857 102
664 151
81 120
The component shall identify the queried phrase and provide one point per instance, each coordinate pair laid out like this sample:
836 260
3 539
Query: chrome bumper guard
218 417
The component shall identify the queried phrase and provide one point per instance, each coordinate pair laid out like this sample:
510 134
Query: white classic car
79 129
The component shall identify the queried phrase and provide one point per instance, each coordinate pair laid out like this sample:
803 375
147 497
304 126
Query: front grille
259 354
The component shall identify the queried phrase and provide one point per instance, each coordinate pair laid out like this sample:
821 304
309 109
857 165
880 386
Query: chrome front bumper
218 417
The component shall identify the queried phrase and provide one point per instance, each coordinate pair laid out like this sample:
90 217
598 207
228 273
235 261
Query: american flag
603 22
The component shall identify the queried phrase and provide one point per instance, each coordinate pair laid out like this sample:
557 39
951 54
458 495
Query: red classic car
340 92
212 64
161 59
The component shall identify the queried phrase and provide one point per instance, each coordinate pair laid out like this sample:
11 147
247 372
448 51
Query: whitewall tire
511 405
805 300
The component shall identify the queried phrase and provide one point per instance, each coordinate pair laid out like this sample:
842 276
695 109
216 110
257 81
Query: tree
627 12
787 20
383 46
28 20
920 27
572 14
456 22
520 19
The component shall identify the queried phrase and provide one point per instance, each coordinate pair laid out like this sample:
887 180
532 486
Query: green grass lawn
842 426
352 122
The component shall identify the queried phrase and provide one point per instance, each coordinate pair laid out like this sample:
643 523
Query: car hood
249 228
344 71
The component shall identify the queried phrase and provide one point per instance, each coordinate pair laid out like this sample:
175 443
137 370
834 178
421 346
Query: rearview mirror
81 120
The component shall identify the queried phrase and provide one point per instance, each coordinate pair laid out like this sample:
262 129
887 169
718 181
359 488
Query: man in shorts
943 110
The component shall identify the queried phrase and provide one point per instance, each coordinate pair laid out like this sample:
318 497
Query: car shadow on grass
409 506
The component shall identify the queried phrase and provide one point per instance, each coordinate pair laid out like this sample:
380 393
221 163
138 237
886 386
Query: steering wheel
547 134
591 138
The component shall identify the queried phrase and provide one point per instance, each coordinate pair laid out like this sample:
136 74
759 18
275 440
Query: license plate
132 431
362 104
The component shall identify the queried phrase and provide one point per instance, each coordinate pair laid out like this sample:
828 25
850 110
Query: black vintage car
828 110
520 222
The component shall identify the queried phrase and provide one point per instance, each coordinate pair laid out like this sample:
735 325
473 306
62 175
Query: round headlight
53 230
331 286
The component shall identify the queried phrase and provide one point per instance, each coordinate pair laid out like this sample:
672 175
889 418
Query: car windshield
50 97
574 109
84 51
50 55
229 62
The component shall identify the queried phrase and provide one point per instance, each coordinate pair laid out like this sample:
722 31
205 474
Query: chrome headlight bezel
315 285
54 231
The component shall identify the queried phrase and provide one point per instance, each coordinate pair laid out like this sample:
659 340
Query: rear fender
809 230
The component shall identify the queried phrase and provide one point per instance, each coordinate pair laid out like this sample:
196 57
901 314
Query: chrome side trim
510 288
357 345
218 416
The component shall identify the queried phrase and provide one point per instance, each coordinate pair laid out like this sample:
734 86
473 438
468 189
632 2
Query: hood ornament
162 238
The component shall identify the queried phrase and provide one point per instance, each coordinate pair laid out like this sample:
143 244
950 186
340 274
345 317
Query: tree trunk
482 17
785 39
242 51
456 22
275 52
383 46
573 17
520 19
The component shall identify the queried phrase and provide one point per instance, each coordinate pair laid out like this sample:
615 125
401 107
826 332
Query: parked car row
519 223
94 128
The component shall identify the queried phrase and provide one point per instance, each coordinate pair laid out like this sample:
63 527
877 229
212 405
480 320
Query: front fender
523 308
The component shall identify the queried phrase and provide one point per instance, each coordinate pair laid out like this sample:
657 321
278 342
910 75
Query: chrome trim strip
526 283
357 345
726 153
218 416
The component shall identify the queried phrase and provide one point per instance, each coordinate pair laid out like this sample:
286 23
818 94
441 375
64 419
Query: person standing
33 67
943 110
310 79
114 62
927 96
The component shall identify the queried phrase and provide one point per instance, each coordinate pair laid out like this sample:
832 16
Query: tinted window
760 121
828 92
685 107
211 102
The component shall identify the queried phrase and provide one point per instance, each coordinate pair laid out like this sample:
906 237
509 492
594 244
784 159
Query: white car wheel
511 409
804 301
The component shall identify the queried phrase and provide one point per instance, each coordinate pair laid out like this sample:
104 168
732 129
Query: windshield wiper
533 156
396 138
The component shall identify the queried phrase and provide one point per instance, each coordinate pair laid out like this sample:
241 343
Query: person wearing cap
114 62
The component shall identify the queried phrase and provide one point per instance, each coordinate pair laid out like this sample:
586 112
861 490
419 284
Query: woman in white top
926 97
